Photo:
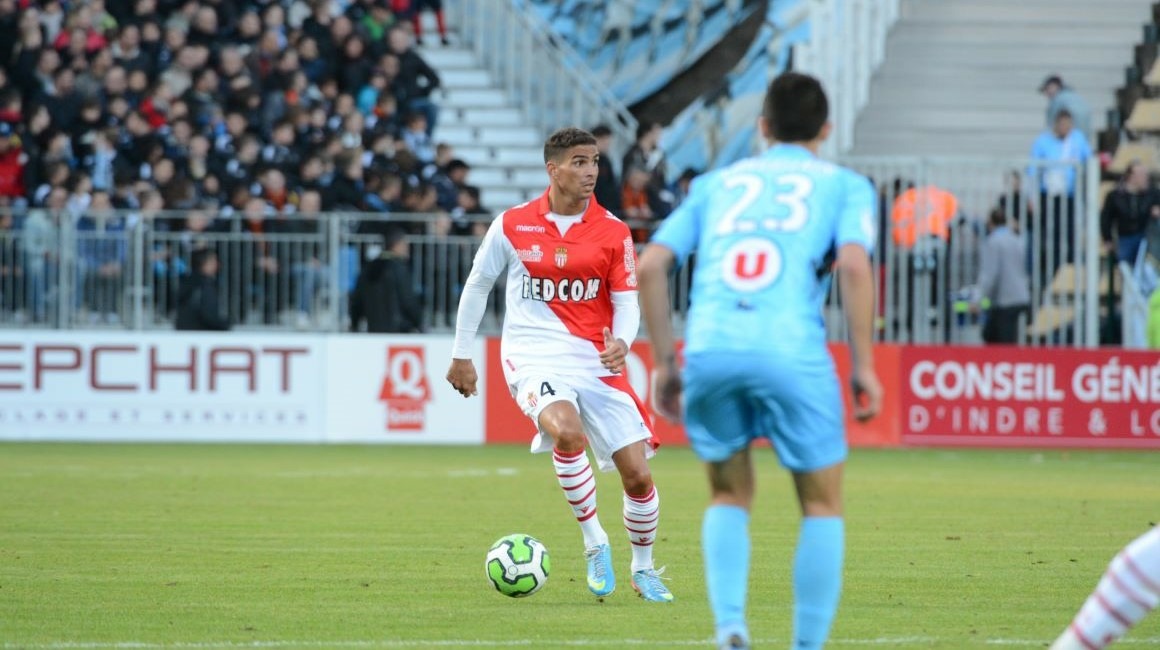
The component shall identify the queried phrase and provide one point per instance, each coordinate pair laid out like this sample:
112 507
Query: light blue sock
817 580
725 541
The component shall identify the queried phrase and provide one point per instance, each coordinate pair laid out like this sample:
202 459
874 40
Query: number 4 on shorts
546 389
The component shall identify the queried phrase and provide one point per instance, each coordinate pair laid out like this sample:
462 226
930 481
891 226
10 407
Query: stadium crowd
113 112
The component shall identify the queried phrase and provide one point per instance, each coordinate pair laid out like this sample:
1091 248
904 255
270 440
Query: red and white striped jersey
558 286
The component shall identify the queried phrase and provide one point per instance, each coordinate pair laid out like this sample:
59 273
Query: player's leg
809 436
720 423
561 421
817 568
553 405
616 423
726 546
1129 590
642 513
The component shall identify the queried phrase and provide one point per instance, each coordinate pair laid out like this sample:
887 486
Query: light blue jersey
764 231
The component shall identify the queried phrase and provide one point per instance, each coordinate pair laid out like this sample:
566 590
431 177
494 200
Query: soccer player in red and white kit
571 314
1129 590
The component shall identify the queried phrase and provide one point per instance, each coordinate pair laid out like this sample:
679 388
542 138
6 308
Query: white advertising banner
392 389
164 386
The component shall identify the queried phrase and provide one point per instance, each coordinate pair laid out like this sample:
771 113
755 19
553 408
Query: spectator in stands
418 138
466 217
1062 98
1058 155
1003 282
12 162
681 187
646 154
416 80
102 249
635 206
40 243
1128 210
198 303
384 295
417 9
608 187
448 181
11 270
308 268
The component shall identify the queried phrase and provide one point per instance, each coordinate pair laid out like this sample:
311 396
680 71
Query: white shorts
612 415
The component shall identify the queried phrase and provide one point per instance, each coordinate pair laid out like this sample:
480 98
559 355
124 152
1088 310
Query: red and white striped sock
575 476
1128 591
641 516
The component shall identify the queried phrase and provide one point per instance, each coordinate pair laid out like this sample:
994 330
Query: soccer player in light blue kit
767 231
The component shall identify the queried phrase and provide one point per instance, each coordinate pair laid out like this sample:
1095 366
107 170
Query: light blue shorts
732 399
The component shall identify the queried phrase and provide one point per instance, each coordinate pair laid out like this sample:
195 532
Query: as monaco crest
561 257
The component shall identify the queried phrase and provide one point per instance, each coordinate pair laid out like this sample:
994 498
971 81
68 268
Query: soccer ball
517 565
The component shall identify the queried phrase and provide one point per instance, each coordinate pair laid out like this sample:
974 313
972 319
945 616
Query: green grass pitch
185 546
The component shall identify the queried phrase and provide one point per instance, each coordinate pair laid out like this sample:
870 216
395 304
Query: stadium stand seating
638 47
718 128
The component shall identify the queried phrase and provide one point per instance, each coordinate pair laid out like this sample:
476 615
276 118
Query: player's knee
569 438
637 481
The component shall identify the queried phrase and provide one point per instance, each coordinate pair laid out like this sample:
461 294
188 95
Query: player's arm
856 235
674 241
621 282
490 261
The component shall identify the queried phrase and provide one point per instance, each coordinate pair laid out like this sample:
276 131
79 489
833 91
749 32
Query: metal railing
128 270
847 44
541 73
926 284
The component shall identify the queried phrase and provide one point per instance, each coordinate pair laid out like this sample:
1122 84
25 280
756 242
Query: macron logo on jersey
524 228
563 290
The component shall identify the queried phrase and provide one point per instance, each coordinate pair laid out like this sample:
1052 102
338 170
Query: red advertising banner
1011 396
505 422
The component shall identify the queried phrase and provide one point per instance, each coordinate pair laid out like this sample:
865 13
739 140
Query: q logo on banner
406 390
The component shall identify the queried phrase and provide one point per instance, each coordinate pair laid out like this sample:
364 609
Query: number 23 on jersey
753 263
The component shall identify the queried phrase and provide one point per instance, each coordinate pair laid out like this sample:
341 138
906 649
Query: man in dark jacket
416 80
198 304
607 184
1128 210
384 294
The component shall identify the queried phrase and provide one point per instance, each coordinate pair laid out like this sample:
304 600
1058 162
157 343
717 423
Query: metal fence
128 270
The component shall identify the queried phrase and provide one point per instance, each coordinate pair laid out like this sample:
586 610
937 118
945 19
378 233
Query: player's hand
614 352
462 377
667 392
867 392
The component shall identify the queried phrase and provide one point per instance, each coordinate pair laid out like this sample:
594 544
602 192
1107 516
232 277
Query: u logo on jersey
751 264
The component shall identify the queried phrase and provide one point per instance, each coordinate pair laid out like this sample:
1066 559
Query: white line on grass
425 643
508 643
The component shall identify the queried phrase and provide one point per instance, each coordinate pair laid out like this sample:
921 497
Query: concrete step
517 156
488 116
984 33
497 200
473 98
448 58
925 142
964 115
1042 13
497 136
513 176
465 78
1002 54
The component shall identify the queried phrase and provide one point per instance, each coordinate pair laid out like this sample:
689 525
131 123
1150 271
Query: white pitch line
508 643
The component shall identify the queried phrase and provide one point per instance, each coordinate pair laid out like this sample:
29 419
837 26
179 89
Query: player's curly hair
564 139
